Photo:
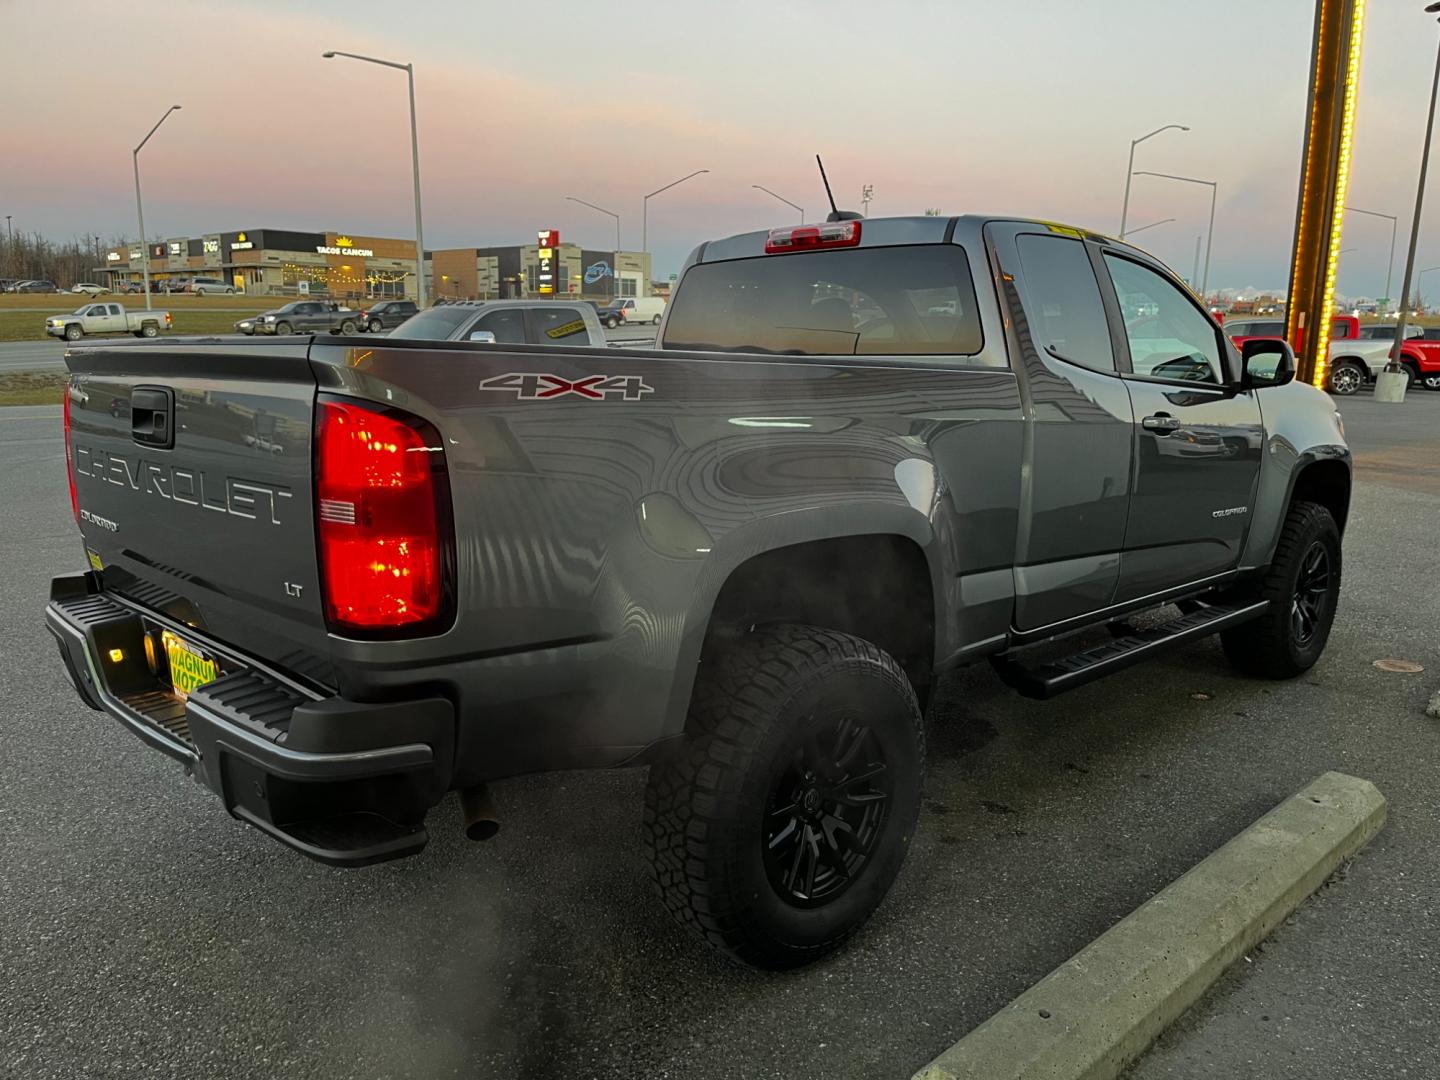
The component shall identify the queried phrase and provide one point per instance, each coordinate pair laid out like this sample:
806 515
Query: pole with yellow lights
1324 178
1390 386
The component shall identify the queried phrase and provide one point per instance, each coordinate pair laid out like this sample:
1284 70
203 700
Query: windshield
437 324
895 301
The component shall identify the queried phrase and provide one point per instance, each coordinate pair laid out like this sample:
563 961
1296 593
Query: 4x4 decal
530 387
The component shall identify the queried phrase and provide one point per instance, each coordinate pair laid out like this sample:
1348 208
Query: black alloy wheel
825 811
1311 601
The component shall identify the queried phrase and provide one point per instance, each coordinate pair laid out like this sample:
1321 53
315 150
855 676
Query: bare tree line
64 262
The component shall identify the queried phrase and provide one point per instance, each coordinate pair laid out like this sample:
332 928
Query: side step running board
1057 676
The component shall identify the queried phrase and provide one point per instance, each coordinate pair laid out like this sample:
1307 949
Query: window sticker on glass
566 329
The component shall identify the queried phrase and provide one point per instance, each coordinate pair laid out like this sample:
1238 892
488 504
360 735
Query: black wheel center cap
810 801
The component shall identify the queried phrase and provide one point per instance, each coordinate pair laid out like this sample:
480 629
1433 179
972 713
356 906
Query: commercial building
349 266
269 262
515 272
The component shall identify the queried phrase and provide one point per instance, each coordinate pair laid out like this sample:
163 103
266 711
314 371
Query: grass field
53 303
32 388
30 325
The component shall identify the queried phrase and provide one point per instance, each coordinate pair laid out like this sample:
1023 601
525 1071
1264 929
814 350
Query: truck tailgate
192 470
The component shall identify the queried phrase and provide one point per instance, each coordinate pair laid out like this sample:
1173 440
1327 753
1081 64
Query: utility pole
867 192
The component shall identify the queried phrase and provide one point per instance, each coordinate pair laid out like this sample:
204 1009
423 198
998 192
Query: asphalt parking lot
143 933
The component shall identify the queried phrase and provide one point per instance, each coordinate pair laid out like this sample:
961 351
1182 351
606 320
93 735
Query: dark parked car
386 315
36 287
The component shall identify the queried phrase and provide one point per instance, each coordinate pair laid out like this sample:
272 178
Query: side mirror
1266 362
486 336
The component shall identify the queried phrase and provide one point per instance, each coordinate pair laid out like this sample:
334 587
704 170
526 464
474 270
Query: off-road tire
707 805
1269 647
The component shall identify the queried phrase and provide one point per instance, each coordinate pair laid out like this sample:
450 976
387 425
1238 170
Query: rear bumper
346 783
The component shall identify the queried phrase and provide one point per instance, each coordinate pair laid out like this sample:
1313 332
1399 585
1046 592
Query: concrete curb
1098 1011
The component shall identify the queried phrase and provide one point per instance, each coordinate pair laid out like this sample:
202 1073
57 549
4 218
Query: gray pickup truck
303 317
106 318
338 579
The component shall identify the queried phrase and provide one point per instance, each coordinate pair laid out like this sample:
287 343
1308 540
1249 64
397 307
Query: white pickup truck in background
106 318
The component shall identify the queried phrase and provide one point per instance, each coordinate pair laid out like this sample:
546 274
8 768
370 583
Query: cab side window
556 324
1169 337
1062 301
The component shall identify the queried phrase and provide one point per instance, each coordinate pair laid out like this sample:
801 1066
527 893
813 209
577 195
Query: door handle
152 416
1160 423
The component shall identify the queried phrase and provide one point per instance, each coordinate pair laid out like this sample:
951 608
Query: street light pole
1394 222
1394 365
602 210
1130 170
645 208
140 209
1214 186
1142 228
409 70
786 201
1420 277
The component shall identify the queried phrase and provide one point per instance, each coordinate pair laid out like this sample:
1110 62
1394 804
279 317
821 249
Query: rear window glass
437 324
892 301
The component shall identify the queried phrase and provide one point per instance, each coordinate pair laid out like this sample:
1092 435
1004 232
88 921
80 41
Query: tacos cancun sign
344 246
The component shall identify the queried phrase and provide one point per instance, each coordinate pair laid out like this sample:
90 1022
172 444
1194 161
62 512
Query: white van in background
644 309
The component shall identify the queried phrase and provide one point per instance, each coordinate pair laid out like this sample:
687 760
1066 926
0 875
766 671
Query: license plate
189 668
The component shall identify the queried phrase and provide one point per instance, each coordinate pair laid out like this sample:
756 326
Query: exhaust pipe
478 809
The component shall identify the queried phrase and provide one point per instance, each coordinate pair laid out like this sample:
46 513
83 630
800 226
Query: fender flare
762 536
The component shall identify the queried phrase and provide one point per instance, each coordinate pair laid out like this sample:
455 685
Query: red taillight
382 508
70 460
808 237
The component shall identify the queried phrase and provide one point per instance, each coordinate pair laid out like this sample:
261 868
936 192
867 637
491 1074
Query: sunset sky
1023 107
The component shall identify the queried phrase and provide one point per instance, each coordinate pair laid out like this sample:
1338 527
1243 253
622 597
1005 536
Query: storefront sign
241 243
157 251
175 248
212 247
549 241
113 256
344 246
596 271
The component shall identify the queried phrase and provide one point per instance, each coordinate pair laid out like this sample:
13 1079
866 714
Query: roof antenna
836 214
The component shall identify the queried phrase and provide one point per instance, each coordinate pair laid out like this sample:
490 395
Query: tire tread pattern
738 694
1262 647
